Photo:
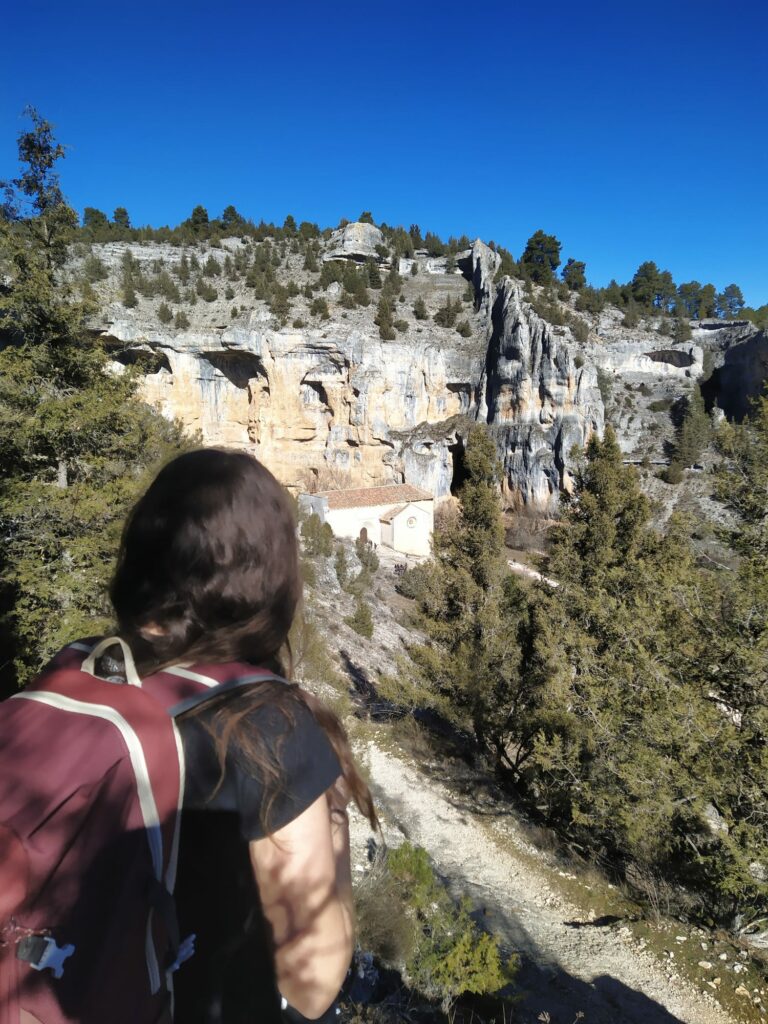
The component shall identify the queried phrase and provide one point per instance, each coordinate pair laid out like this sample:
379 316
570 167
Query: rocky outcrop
324 406
337 406
484 264
739 357
355 241
632 359
539 403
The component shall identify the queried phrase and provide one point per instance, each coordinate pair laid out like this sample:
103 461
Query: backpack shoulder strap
216 691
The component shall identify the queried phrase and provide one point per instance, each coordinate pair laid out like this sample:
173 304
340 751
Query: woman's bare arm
304 879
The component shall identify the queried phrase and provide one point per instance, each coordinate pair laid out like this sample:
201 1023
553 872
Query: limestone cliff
539 402
328 402
337 403
338 407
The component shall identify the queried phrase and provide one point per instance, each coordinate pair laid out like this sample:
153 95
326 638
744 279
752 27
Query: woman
208 573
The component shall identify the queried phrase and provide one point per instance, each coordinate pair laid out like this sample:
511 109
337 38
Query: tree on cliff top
541 257
76 445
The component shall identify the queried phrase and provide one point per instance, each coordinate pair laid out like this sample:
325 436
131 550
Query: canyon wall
336 405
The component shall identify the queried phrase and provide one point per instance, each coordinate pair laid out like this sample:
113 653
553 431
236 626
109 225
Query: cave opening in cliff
313 393
147 360
460 473
240 368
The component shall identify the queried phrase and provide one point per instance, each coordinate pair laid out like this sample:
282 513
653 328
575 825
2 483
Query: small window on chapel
411 521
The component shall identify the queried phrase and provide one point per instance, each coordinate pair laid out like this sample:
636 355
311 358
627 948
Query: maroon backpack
91 783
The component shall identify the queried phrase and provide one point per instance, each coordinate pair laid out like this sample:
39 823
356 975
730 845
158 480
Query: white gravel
601 971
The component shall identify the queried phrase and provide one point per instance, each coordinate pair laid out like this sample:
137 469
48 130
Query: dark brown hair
209 556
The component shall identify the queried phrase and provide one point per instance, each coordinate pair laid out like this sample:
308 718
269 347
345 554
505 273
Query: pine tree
383 319
420 309
541 257
474 613
695 431
341 566
77 444
374 277
361 620
164 313
574 275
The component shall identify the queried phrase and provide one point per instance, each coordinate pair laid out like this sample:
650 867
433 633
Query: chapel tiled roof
361 497
390 514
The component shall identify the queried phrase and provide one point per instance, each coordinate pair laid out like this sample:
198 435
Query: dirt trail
600 971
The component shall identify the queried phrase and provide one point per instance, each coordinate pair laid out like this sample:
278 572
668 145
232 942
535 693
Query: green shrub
447 313
94 269
319 308
673 474
401 326
661 405
366 556
211 267
361 620
206 291
317 536
341 566
464 329
164 314
605 384
578 361
579 328
420 309
409 921
181 321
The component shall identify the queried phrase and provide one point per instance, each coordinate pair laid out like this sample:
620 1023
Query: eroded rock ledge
341 404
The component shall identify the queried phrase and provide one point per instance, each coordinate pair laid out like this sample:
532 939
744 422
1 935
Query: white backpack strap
131 675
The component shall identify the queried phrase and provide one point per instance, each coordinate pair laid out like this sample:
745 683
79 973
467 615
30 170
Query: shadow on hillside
543 986
605 1000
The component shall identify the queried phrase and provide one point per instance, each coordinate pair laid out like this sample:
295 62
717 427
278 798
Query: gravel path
600 971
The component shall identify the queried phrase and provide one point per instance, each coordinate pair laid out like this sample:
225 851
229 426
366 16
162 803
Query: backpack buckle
184 952
42 952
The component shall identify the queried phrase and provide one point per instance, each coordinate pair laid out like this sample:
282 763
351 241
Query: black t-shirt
230 979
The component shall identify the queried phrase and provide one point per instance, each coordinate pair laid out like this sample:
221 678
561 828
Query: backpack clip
185 951
42 951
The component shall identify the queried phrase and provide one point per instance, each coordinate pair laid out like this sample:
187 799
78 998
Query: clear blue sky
632 131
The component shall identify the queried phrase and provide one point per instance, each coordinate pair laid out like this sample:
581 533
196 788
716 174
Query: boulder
356 241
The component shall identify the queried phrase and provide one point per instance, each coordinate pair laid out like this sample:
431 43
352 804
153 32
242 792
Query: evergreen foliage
361 619
383 319
574 274
76 446
420 309
410 921
695 431
341 565
541 257
447 313
317 536
319 308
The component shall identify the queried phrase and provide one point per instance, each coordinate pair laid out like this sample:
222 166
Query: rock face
337 406
538 401
739 353
338 410
355 241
